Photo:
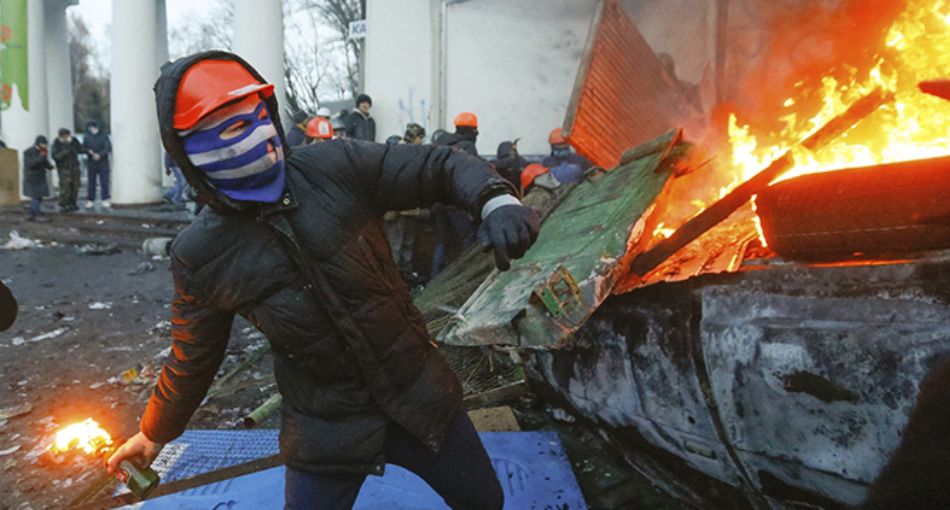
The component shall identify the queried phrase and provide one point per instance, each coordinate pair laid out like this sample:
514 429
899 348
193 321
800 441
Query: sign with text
358 29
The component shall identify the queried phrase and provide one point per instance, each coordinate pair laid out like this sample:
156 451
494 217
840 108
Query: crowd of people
539 183
65 153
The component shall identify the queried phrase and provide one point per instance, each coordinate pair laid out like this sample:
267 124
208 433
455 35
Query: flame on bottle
87 436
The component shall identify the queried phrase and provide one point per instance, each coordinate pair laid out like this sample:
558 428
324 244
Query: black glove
510 230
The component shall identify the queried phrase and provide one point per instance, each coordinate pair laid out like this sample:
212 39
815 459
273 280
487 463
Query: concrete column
161 45
136 174
59 84
259 39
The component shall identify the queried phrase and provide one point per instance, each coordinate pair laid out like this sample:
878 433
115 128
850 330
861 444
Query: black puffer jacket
352 352
464 142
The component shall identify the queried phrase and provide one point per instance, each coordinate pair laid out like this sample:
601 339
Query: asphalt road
83 320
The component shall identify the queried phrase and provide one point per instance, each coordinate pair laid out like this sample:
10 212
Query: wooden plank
187 483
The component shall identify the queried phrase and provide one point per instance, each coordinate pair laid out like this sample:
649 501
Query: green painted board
571 269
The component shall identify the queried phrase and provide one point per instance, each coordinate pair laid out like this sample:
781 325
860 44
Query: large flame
87 436
916 126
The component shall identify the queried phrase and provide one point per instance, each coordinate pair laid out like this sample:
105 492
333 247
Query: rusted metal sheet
883 209
622 96
797 377
571 269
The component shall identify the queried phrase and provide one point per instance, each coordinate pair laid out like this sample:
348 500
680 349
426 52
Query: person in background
401 226
339 127
565 165
298 132
415 134
35 165
98 147
319 129
436 135
173 195
465 136
509 163
66 151
360 125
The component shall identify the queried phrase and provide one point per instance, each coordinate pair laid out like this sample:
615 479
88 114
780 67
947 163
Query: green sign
14 58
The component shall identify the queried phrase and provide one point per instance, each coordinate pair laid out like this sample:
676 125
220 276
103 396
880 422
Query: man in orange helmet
319 130
566 166
465 136
293 241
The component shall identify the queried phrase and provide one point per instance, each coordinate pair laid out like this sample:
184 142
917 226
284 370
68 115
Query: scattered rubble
18 243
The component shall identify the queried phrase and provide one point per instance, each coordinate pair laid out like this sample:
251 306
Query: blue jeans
460 472
35 206
174 194
102 173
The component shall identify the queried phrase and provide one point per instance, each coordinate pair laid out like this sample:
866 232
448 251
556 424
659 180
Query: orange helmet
532 172
466 119
210 84
319 127
555 137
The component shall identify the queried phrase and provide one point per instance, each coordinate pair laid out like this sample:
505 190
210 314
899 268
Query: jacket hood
166 91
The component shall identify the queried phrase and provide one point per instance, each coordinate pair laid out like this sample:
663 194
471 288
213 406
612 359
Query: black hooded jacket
461 140
314 273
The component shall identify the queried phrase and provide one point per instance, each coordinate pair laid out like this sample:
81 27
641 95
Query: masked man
294 242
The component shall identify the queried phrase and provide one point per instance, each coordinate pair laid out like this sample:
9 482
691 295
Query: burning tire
897 207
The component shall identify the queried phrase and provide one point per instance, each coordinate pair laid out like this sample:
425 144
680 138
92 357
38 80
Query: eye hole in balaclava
238 148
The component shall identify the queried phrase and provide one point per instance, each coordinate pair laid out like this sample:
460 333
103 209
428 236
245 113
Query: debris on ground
100 306
494 419
52 334
13 412
98 249
10 450
18 243
144 267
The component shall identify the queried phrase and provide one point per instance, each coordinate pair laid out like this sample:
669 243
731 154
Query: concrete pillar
136 173
161 45
259 39
59 84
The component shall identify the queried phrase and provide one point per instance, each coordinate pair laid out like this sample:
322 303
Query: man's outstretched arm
199 343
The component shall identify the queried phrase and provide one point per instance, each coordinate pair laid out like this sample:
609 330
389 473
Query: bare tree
308 66
338 14
319 61
210 32
90 79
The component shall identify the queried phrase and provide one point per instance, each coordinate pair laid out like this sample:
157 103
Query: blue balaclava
233 146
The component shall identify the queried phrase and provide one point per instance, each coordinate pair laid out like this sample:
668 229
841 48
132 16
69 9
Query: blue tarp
533 469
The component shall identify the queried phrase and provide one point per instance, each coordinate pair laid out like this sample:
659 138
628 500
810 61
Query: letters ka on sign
358 29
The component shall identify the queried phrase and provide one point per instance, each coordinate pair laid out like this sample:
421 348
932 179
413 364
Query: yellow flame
917 126
665 233
86 436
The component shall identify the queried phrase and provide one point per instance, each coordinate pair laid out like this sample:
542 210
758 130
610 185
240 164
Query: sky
98 15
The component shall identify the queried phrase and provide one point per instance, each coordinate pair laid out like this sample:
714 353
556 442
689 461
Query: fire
661 231
87 436
916 126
